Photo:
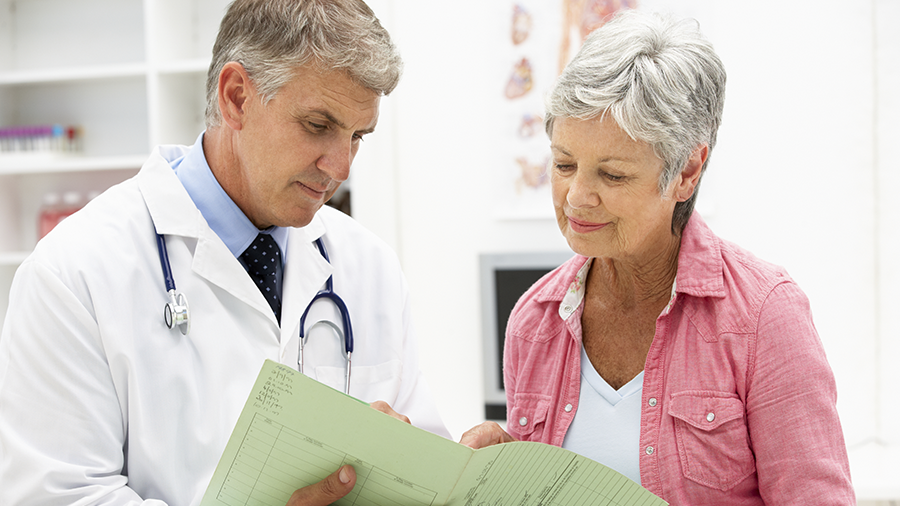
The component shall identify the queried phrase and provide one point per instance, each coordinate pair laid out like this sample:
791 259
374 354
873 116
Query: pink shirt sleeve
793 421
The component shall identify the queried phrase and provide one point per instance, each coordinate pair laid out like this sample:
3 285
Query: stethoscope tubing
177 314
328 293
164 261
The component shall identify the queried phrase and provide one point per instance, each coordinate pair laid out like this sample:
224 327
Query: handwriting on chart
268 397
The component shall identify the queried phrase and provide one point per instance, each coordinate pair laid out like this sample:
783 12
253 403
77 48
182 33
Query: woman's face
606 192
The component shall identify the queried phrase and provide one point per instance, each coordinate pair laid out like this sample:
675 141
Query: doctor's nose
335 161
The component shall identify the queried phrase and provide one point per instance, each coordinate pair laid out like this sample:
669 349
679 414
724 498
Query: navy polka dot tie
263 262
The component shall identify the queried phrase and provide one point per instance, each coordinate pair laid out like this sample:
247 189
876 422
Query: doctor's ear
690 174
235 91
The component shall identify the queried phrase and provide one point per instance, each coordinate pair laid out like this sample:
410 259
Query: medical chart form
294 431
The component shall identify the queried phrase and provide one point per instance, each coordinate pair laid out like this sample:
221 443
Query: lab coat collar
174 214
171 208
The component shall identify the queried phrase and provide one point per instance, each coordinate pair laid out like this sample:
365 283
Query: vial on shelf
56 208
40 139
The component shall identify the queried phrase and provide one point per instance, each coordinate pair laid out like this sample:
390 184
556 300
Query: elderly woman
660 350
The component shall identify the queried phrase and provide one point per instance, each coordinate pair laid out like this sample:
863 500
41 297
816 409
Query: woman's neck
636 281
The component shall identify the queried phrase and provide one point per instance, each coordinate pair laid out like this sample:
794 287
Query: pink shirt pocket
712 438
528 416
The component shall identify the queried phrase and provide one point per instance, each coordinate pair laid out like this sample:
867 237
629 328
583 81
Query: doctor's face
292 153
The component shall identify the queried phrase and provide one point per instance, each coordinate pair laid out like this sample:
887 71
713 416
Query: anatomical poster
542 37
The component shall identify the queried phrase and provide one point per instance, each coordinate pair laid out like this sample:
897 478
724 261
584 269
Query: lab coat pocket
526 419
370 383
712 438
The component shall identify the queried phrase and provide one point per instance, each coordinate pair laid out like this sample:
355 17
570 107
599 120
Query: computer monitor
504 278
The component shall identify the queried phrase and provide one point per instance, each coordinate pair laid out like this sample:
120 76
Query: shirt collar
700 264
575 293
224 217
700 269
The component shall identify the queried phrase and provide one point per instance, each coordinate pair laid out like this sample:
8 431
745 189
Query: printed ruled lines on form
274 461
575 485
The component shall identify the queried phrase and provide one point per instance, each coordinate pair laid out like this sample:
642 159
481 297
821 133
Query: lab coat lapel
215 262
170 206
305 274
174 213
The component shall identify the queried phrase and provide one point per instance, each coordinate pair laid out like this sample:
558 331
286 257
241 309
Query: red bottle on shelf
56 208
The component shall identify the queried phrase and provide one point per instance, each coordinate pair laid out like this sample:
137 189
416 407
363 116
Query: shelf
13 258
40 163
194 66
130 74
62 75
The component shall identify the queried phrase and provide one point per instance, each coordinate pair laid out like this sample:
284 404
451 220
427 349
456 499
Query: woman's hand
486 434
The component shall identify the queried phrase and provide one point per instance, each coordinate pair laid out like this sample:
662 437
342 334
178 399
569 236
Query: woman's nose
582 192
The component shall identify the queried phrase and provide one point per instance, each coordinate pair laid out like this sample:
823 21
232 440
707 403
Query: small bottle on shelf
56 208
52 138
47 216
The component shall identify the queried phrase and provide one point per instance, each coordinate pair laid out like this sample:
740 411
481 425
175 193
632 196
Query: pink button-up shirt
738 403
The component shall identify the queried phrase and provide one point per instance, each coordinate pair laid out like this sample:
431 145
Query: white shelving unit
130 73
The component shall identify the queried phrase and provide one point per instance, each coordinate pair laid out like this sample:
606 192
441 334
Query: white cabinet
130 73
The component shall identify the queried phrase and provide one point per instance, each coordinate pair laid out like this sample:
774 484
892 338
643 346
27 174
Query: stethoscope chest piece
177 313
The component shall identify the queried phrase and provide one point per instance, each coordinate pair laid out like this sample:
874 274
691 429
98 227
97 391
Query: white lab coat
101 403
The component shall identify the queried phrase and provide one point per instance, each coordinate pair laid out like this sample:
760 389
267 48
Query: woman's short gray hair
659 79
273 38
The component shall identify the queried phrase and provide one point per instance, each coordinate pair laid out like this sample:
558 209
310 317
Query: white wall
803 176
443 116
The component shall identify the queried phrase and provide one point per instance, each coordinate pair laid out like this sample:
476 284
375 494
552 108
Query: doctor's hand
388 410
333 487
486 434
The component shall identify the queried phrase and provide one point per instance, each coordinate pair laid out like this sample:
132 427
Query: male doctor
101 402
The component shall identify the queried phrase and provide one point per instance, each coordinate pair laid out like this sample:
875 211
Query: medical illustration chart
294 431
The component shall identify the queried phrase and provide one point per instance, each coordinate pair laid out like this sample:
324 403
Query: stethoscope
177 313
346 333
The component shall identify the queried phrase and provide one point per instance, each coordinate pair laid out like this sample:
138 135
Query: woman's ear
234 92
690 175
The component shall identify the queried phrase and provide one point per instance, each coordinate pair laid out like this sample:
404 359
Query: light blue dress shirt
224 217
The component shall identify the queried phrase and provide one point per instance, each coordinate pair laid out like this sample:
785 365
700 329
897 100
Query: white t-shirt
607 425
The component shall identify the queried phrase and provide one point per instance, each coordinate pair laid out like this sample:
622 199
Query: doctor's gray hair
271 39
661 81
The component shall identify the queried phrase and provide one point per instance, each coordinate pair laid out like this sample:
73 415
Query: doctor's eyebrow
330 117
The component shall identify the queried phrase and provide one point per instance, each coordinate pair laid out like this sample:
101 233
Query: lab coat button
568 408
710 417
652 402
523 421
